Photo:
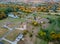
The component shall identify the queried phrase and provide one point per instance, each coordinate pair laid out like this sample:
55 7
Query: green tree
8 10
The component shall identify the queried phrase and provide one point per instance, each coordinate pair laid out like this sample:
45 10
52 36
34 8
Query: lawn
3 31
5 42
12 20
47 16
12 36
40 41
37 41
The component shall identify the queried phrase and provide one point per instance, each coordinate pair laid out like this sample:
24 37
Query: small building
12 15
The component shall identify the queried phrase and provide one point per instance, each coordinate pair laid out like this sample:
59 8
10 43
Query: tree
3 15
8 10
54 7
52 32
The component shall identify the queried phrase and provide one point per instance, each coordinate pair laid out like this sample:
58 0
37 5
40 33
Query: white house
12 15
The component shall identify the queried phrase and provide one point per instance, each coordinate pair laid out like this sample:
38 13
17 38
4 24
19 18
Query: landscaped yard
12 36
3 31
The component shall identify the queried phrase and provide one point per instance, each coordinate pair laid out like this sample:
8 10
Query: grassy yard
12 36
5 42
13 20
37 41
10 20
40 41
3 31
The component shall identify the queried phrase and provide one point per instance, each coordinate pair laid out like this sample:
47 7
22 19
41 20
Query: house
12 15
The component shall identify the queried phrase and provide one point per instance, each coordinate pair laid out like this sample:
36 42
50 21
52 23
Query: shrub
3 15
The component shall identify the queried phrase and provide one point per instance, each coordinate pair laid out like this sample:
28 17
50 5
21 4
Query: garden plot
3 31
12 36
